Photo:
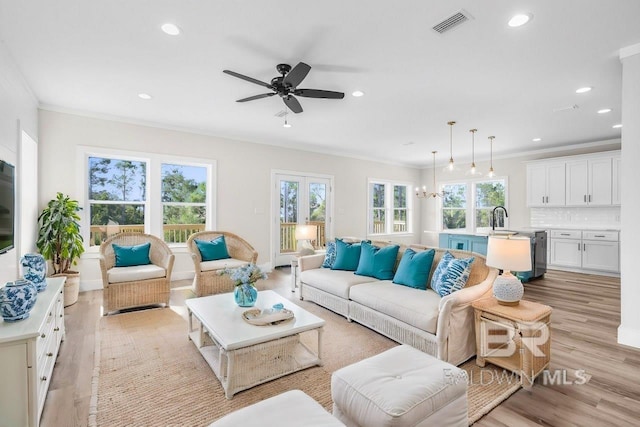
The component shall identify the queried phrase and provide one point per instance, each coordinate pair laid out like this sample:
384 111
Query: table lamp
508 253
304 235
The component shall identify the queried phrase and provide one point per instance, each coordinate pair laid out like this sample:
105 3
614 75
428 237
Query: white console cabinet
588 250
28 351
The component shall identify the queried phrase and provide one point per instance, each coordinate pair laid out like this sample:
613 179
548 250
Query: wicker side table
517 338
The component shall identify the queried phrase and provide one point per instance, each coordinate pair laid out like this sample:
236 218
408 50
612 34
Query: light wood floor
586 314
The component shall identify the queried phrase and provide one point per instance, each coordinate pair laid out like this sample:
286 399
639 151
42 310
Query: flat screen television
7 206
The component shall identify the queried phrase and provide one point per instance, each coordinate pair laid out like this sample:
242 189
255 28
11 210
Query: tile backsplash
586 217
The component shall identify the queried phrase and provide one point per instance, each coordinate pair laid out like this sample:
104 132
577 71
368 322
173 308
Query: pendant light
473 170
451 144
434 194
491 173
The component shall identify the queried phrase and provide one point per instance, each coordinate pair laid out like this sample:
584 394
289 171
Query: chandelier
423 194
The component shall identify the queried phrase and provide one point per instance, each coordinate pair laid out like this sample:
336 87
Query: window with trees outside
468 205
120 200
389 208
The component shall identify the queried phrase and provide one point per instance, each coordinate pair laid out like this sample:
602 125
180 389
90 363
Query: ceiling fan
286 86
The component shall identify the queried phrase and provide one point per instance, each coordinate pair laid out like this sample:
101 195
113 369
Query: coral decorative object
17 299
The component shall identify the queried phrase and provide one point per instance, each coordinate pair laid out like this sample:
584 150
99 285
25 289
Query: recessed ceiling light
408 143
171 29
618 126
584 89
520 19
536 139
357 93
604 111
144 96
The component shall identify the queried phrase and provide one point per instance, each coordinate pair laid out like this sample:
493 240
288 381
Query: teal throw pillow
330 255
451 274
414 268
347 256
211 250
377 262
128 256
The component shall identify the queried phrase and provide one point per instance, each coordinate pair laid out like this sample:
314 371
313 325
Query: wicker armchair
126 287
207 279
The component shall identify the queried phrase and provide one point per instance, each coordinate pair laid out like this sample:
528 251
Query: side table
517 338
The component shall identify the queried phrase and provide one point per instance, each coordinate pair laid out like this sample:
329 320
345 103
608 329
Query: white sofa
440 326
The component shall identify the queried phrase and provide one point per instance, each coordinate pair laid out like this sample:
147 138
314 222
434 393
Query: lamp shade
306 232
509 253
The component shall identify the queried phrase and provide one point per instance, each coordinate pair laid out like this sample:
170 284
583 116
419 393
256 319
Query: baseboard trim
629 336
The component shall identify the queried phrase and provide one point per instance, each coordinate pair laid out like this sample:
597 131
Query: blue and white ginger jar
17 299
34 269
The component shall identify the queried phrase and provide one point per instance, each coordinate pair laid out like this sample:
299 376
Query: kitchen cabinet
28 351
589 182
464 242
546 184
585 250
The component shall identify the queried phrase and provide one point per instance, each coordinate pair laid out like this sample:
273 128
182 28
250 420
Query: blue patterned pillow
451 274
330 255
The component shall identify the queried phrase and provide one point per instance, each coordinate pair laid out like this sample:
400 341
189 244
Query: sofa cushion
219 264
135 273
451 274
128 256
347 256
211 250
413 306
377 262
335 282
329 255
414 268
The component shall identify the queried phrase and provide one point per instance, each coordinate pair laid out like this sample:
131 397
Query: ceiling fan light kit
286 86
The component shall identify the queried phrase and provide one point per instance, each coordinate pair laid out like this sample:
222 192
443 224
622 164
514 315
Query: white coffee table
244 355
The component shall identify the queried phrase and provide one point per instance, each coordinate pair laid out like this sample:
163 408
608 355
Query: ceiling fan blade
251 98
296 75
317 93
293 104
249 79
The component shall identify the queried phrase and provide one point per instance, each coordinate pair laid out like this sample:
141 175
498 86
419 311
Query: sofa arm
472 293
310 262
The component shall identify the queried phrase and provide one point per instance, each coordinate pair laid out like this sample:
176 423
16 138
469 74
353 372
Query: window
184 197
454 207
389 208
469 205
122 190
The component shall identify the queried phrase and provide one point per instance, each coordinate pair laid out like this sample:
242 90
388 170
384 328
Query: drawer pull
49 354
43 335
61 315
50 314
565 234
599 235
56 329
43 378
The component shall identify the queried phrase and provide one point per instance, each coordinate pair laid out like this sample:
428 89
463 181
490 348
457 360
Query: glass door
301 200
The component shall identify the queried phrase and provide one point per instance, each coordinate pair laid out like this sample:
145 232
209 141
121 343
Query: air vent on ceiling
281 113
452 21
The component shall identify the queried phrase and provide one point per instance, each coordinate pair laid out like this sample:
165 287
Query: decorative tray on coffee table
268 316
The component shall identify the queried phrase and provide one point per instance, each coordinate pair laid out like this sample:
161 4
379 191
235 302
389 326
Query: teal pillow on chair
451 274
211 250
414 268
377 262
128 256
347 256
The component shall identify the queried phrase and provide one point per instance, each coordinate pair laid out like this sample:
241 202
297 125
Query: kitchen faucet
493 216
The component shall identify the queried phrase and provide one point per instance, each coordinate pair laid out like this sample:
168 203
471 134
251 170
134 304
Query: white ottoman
400 387
290 409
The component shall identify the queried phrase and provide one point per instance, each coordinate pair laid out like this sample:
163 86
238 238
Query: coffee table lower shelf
247 367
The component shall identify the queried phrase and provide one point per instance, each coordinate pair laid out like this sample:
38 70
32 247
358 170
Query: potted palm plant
60 241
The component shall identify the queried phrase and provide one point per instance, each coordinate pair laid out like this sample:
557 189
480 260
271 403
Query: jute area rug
149 374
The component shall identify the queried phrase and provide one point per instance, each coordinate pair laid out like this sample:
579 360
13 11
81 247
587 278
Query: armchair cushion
128 256
219 264
211 250
135 273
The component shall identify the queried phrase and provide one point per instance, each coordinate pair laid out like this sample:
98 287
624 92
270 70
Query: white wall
243 175
629 330
514 169
18 112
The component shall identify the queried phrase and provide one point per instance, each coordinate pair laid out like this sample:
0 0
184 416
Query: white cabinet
28 351
545 184
585 250
615 193
589 182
